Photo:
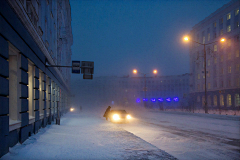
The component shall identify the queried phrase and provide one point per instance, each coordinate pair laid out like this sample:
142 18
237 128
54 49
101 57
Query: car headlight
71 109
129 117
116 117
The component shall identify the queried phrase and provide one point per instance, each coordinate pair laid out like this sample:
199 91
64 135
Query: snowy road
187 135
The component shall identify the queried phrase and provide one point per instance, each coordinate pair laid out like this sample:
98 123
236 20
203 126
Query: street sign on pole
87 67
87 76
76 67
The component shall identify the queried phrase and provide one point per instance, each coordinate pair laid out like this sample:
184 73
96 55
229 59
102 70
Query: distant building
223 60
32 33
169 92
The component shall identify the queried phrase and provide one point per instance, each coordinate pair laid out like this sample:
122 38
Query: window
203 39
229 42
215 100
237 24
203 100
228 16
229 28
215 60
208 36
229 83
221 58
208 73
198 76
229 100
209 85
237 67
229 55
215 24
222 83
203 86
237 53
236 12
221 100
221 32
229 69
209 62
31 90
14 80
209 101
198 98
238 82
221 21
237 100
198 86
215 48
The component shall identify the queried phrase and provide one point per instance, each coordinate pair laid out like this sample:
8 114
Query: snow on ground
188 135
85 135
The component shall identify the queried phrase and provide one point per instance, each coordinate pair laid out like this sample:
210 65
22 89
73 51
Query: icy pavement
188 135
85 136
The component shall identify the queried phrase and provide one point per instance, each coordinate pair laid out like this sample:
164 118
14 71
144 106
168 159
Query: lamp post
205 66
145 82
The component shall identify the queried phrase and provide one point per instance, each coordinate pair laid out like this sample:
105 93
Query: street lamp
145 84
186 38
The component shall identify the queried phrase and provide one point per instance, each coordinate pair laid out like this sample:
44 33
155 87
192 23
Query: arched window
237 100
215 100
221 100
229 100
209 102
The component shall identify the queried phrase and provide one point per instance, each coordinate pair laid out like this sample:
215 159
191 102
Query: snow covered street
85 136
188 135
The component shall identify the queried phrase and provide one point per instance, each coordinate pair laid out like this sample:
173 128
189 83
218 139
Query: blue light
175 99
160 99
153 100
145 99
138 100
168 99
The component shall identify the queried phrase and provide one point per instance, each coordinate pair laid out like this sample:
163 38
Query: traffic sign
87 67
87 76
76 67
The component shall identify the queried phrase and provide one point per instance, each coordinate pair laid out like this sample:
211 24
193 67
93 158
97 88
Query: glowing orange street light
135 71
154 71
222 40
186 38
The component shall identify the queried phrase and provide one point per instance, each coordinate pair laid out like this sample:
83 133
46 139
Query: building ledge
14 124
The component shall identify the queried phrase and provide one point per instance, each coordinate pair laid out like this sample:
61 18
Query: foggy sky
122 35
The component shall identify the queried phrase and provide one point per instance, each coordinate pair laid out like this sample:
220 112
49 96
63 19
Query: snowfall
151 134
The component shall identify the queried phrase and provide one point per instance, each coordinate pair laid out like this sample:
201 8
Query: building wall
128 91
30 35
222 60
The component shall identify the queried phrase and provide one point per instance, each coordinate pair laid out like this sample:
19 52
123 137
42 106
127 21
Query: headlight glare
116 117
129 117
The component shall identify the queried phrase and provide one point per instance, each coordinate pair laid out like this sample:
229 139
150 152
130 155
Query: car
119 116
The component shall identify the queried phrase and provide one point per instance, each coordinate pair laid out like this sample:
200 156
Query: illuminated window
236 12
229 69
229 55
203 76
229 28
215 48
215 100
229 42
208 36
215 24
229 100
215 60
237 67
209 85
198 76
221 32
237 53
221 100
208 62
237 24
228 16
237 100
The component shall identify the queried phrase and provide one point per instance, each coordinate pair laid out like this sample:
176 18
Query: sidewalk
85 136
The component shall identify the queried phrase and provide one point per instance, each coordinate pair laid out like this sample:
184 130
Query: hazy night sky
122 35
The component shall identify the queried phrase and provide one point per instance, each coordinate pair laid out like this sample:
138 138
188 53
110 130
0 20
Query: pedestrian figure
107 112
